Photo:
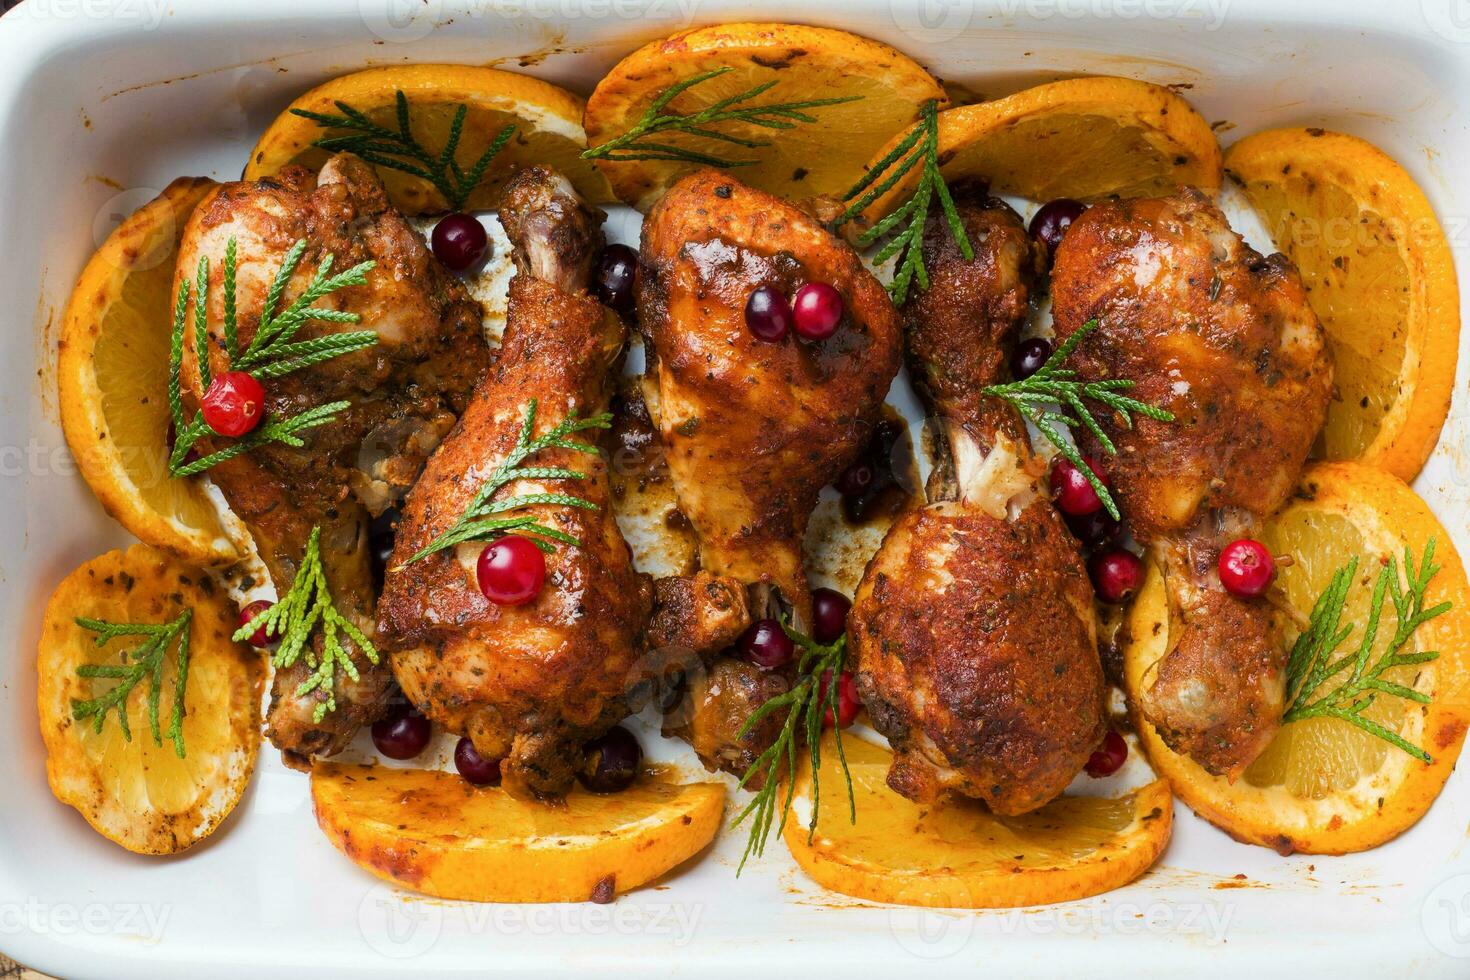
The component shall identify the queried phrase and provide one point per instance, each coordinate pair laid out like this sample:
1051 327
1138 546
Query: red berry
1070 489
1246 568
233 404
474 767
1094 530
1108 758
611 761
1029 356
816 310
848 702
258 638
1052 220
402 735
459 241
1115 574
765 644
856 479
767 314
617 271
829 615
511 571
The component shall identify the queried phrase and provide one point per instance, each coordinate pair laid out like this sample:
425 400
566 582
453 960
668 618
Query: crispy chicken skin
1223 338
405 393
752 430
528 684
973 628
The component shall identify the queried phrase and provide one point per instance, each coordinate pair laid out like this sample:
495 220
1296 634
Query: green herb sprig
1312 662
400 150
920 148
636 144
272 353
479 523
143 664
805 704
307 609
1054 384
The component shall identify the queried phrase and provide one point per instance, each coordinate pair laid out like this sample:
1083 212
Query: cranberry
1115 574
816 311
1094 530
259 637
474 767
1029 356
459 241
1108 758
767 314
829 615
610 763
848 702
1070 489
856 479
1051 221
402 735
1246 568
765 644
382 535
233 404
616 273
511 571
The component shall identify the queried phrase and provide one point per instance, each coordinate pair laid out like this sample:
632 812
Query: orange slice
134 791
1380 277
805 63
435 833
956 854
1324 786
548 121
113 375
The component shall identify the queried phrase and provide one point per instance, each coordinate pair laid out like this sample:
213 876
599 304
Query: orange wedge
113 376
548 121
435 833
1380 277
1324 786
956 854
1083 138
825 157
134 791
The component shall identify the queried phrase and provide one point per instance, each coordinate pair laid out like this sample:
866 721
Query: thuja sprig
904 227
272 352
479 523
400 150
307 609
1312 662
142 664
805 704
1056 385
641 141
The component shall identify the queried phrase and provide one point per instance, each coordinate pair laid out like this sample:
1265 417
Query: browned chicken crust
973 628
1224 338
405 393
528 684
752 430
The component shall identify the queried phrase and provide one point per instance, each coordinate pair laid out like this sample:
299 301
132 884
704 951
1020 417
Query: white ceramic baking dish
103 101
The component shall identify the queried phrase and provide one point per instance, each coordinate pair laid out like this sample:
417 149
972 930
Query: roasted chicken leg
973 628
752 430
405 393
1223 338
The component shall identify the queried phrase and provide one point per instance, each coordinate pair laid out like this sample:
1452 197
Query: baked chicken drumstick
753 429
531 683
974 628
1224 339
404 394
